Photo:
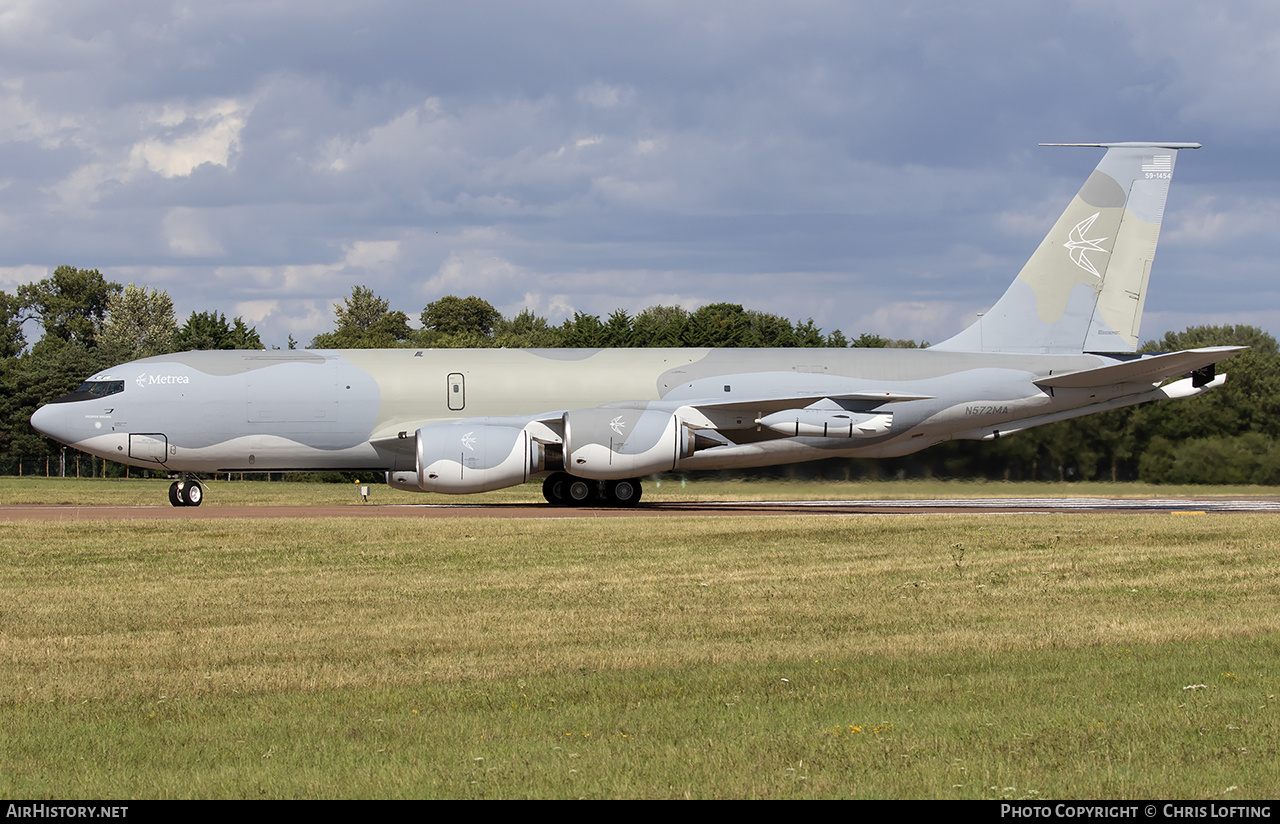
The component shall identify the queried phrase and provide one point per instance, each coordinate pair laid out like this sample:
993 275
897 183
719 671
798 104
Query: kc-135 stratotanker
1060 343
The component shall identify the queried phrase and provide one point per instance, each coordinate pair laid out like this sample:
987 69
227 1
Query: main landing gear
563 489
186 492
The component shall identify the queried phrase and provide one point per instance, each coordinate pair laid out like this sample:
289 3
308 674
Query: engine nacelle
828 423
405 481
613 443
460 458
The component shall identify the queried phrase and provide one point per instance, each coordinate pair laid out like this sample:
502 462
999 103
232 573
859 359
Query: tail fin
1084 288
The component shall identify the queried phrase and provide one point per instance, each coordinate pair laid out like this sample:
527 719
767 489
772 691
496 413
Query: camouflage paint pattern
1085 286
1054 346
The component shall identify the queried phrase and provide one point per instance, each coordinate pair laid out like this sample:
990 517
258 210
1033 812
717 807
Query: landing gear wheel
555 488
624 493
175 495
193 493
579 491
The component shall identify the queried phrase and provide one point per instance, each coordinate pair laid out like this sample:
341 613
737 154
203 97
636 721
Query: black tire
624 493
579 492
193 493
175 496
555 488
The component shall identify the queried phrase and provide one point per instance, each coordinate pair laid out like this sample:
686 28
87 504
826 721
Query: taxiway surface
660 509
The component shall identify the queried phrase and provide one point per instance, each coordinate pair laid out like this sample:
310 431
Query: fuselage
212 411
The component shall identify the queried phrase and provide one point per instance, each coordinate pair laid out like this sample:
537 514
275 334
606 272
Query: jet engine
468 457
613 443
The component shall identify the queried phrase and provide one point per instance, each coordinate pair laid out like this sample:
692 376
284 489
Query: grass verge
992 656
29 491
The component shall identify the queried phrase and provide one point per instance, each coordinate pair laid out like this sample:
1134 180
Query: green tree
12 340
70 304
717 324
52 368
365 321
210 330
1222 436
768 330
1197 337
618 333
809 335
526 330
583 332
451 315
659 326
1167 442
868 340
1249 401
1250 458
244 336
139 323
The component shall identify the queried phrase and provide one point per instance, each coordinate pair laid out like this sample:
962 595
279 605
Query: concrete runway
722 508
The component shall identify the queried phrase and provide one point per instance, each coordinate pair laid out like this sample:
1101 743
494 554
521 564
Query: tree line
1228 435
364 320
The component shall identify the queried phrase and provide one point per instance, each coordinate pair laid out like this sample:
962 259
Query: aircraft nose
48 421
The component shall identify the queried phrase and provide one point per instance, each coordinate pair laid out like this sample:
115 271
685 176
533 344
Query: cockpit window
100 389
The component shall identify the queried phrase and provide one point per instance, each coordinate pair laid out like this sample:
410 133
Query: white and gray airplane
1059 344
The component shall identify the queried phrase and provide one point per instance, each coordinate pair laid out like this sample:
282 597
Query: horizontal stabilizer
1185 388
1151 369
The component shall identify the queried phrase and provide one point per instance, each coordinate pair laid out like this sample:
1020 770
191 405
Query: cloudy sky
872 165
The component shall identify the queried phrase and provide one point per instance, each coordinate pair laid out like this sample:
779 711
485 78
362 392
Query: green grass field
930 656
221 492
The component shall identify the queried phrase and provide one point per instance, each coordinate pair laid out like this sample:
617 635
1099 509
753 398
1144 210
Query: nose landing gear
186 492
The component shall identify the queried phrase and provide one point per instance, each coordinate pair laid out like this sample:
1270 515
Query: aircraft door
457 392
149 447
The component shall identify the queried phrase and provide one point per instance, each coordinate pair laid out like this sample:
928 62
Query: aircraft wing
700 413
816 410
777 403
813 414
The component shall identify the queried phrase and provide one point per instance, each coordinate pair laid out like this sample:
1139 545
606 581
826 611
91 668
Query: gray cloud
872 166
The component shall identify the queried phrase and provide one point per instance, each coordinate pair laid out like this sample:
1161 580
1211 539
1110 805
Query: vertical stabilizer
1084 287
